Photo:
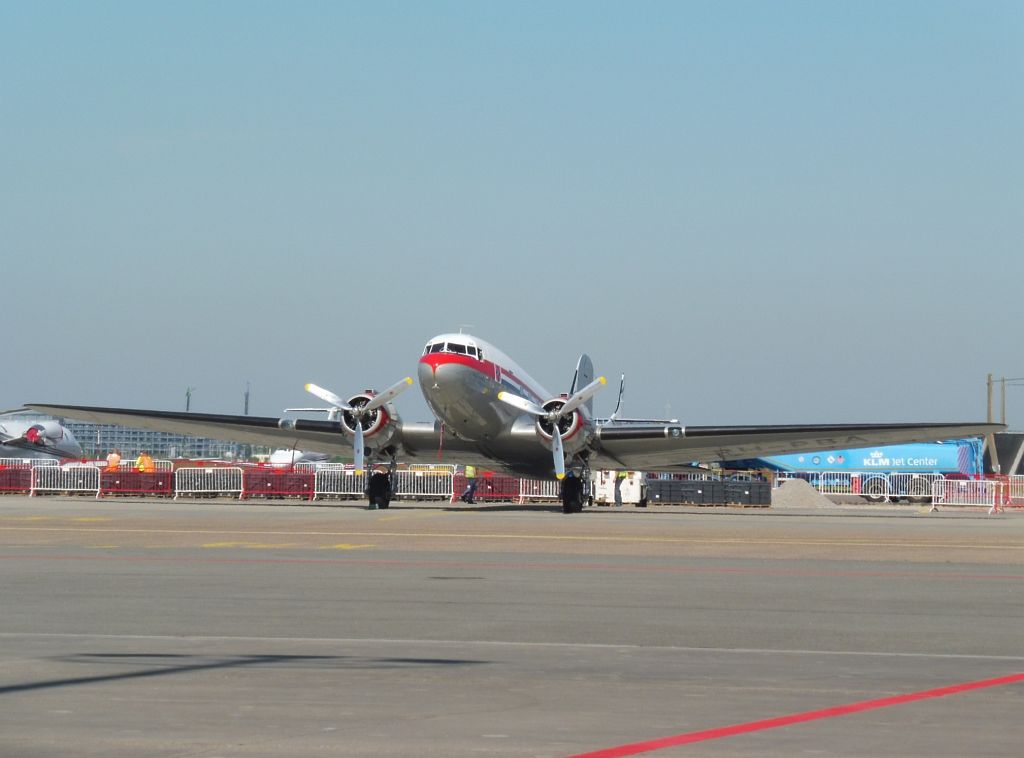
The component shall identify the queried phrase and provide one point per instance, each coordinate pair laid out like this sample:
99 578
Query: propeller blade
521 403
308 410
388 395
358 449
618 405
328 397
582 396
557 452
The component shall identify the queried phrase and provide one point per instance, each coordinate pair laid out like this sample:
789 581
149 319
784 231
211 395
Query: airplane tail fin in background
584 376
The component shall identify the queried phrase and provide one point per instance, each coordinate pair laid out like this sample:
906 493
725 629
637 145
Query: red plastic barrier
131 482
495 487
277 482
15 478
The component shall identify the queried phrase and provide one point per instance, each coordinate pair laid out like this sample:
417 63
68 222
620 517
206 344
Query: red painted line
795 718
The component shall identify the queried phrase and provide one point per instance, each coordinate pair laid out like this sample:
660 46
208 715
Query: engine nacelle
44 432
576 429
379 425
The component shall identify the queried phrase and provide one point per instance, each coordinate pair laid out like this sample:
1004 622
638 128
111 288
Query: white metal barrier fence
423 484
338 482
129 465
966 492
448 468
29 462
914 487
1016 493
212 480
846 483
538 489
158 465
74 478
873 486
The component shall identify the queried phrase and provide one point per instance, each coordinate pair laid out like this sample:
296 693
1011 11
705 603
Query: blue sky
760 212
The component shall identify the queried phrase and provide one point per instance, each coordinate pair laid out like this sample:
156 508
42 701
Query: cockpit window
453 347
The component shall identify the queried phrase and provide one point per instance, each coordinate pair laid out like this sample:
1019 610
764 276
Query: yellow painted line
252 545
533 537
345 546
224 544
92 519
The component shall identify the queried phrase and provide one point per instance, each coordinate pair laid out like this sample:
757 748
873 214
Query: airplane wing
645 447
665 447
324 436
420 440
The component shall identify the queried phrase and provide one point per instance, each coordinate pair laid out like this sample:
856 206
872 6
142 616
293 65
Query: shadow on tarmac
170 664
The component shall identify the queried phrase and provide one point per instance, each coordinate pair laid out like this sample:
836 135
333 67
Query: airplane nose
427 374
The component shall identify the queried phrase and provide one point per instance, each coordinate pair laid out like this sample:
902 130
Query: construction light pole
988 384
1014 381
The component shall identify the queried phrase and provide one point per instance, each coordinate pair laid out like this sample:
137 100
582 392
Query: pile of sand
796 493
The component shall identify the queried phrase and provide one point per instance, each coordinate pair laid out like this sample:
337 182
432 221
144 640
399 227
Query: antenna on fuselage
466 326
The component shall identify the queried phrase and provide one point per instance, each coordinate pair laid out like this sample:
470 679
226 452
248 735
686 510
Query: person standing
470 491
113 460
145 462
620 477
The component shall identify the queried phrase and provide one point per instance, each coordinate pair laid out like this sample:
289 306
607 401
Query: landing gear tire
875 490
572 495
378 491
919 490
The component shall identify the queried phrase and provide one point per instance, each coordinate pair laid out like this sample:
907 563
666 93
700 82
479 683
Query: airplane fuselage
460 377
37 439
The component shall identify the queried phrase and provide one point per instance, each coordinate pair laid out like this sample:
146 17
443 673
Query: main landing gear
575 491
572 495
379 488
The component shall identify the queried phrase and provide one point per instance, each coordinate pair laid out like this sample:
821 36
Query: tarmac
134 627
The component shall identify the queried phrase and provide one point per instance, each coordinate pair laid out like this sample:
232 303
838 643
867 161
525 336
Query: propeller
554 416
339 406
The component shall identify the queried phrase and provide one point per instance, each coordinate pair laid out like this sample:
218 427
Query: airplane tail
584 376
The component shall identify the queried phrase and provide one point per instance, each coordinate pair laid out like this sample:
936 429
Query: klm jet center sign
956 455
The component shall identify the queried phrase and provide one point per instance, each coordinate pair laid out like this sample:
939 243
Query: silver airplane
490 413
33 438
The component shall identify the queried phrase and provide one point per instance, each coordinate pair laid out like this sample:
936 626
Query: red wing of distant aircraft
491 413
